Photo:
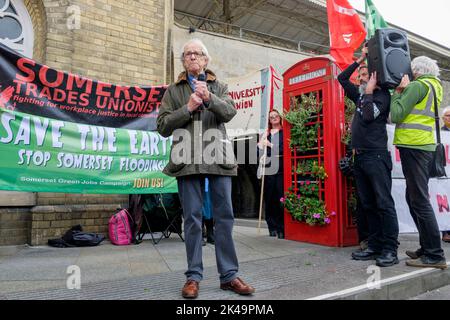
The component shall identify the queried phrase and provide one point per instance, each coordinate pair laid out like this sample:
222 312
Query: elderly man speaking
194 109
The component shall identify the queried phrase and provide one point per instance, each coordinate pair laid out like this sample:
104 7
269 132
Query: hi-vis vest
417 128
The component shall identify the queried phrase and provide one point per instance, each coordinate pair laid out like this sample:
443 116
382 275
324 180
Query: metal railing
300 46
249 34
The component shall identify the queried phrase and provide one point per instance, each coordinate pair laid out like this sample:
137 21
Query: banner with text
47 155
397 166
29 87
439 188
251 95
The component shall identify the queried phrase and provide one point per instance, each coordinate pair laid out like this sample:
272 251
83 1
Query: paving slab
278 269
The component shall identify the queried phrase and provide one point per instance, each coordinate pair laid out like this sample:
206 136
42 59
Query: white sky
428 18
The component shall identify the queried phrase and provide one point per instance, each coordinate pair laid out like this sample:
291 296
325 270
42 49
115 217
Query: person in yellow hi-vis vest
412 110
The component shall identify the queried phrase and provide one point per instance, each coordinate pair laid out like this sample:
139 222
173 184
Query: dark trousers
373 185
362 223
273 192
190 189
415 166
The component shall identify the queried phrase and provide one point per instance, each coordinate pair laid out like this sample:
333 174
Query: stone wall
15 225
49 222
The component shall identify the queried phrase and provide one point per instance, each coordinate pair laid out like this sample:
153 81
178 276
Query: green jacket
403 104
200 142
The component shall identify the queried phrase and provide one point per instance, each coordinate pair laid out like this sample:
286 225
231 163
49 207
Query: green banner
374 20
48 155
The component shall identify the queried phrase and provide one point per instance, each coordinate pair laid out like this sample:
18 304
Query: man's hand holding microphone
200 96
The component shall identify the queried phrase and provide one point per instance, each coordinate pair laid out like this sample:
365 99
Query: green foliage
307 209
309 189
303 116
304 167
306 205
348 114
310 167
318 171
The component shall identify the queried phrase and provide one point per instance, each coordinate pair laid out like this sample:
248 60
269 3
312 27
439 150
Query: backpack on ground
75 237
120 232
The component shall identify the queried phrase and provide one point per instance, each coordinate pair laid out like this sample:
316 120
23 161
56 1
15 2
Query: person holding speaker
413 112
372 163
194 110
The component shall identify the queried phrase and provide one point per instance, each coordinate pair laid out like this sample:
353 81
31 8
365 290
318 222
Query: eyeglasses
195 53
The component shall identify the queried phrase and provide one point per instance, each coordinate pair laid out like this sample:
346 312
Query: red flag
346 31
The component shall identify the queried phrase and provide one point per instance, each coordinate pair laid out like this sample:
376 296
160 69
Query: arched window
16 28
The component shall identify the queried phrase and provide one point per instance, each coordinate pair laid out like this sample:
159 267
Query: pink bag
119 228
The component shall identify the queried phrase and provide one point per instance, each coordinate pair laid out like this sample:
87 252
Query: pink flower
333 213
313 189
327 220
302 183
298 196
308 183
316 216
282 200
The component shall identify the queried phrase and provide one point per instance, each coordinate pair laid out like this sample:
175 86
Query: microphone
202 77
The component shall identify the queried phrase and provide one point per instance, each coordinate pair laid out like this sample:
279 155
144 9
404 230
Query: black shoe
387 259
272 233
364 255
280 235
414 254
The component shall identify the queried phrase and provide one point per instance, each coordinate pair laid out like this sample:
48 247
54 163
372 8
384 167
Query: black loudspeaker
389 56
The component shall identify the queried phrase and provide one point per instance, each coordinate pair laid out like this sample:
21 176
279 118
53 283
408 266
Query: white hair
201 44
423 65
446 109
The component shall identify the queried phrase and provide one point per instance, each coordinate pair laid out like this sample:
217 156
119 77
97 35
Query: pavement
278 269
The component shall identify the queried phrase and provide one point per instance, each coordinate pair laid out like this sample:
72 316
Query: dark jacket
191 146
370 118
276 151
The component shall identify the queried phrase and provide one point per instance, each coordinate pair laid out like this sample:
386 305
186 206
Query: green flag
374 20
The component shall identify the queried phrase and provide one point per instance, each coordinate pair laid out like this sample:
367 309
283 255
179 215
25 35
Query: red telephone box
317 78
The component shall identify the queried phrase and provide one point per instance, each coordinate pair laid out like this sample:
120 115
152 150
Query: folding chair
161 213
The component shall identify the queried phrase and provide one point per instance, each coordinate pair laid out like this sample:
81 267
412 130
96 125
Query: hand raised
403 84
194 102
364 52
201 89
372 83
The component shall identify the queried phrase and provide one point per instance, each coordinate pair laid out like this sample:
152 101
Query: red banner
32 88
346 31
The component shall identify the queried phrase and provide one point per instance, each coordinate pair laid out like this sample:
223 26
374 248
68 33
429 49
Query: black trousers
415 166
273 192
362 223
373 185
